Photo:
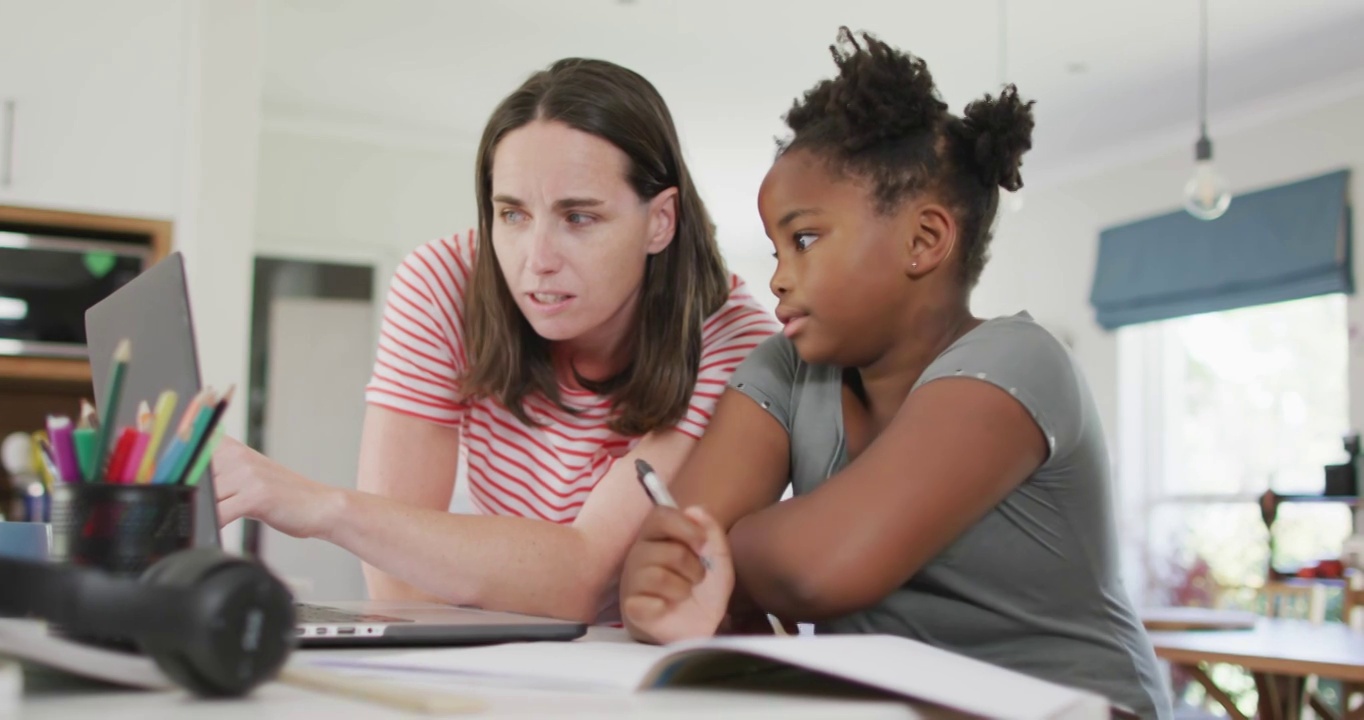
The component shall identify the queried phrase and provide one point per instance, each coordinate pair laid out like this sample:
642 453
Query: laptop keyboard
321 614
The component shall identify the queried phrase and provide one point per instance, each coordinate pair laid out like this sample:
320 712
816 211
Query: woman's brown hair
683 284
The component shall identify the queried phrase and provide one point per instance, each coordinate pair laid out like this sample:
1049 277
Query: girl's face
841 265
571 235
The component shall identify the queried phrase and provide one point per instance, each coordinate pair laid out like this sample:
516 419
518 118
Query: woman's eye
805 240
578 219
512 216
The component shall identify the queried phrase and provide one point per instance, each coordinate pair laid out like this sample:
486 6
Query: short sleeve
727 338
1022 358
420 356
768 377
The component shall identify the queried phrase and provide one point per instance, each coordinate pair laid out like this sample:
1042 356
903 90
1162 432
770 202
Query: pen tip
643 468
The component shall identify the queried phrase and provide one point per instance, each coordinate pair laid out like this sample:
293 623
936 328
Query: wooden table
1279 653
1196 618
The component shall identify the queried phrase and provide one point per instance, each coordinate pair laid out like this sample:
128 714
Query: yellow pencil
165 408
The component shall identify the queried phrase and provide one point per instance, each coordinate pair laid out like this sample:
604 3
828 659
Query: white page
920 671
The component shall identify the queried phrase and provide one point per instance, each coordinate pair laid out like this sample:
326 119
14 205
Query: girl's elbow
812 595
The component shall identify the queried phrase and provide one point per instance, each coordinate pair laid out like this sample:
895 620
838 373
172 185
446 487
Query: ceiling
1103 73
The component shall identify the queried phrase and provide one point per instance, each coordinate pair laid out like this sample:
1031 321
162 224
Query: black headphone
217 624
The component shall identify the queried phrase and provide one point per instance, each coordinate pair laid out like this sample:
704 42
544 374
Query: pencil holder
121 529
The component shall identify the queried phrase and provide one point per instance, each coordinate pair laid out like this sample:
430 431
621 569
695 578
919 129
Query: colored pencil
118 458
63 448
83 437
200 446
165 408
104 435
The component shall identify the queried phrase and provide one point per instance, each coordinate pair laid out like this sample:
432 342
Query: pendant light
1206 194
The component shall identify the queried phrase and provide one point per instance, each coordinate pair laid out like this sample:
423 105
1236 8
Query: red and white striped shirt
541 472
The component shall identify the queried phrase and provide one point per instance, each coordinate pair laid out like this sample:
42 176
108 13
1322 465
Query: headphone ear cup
237 627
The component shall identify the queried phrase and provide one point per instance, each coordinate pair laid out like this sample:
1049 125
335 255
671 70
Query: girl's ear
662 220
931 237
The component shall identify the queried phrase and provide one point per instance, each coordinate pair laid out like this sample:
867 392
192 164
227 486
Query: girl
950 474
589 322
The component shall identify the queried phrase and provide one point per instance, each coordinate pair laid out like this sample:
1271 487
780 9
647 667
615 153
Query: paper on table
29 640
896 665
913 670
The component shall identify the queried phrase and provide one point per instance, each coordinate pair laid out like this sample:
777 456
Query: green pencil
109 416
83 437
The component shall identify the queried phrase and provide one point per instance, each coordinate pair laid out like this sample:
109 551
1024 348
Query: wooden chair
1351 694
1274 599
1295 601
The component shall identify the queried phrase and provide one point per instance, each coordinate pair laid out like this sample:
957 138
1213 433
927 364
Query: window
1215 409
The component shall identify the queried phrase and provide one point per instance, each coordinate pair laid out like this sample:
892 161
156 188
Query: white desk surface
53 697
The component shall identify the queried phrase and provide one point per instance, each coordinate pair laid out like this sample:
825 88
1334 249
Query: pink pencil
140 444
128 473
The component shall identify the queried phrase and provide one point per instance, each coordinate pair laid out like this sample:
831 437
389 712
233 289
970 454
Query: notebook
848 665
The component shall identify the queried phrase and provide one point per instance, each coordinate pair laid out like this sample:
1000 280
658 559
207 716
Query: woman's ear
662 220
931 232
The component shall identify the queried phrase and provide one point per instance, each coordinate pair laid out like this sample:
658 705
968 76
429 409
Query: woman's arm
413 462
955 449
514 564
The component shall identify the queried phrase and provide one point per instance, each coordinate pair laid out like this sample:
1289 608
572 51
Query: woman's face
571 235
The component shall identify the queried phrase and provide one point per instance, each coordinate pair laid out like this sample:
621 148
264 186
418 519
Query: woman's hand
249 484
667 593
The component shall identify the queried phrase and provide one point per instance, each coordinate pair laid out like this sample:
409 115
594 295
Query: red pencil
119 459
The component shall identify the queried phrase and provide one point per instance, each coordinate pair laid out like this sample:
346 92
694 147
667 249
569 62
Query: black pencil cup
121 529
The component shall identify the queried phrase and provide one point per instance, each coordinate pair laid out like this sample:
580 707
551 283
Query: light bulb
1206 195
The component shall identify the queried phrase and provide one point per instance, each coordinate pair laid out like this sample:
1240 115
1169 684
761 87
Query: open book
847 665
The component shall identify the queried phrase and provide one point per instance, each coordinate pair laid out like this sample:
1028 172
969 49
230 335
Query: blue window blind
1283 243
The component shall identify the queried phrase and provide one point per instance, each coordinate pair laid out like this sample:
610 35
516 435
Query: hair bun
880 94
998 131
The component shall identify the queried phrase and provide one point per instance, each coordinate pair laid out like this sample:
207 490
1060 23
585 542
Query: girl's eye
578 219
512 216
805 240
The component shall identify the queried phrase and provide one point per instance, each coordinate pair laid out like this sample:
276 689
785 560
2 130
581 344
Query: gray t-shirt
1032 586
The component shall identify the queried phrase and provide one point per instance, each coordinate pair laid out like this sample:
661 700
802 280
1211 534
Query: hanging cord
1203 70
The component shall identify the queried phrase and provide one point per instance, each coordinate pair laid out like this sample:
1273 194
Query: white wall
1044 255
217 200
329 195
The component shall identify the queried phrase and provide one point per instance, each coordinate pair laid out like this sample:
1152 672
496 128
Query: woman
591 321
950 472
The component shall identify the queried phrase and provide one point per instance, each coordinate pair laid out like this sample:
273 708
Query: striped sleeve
420 355
726 339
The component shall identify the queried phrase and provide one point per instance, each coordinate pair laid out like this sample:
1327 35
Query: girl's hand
667 593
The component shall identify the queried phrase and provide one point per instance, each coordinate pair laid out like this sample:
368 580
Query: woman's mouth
548 302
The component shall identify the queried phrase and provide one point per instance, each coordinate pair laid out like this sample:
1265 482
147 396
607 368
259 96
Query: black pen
658 492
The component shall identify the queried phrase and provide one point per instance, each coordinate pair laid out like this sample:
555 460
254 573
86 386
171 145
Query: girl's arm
954 450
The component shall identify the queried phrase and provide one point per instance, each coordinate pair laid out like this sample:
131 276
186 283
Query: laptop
153 312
